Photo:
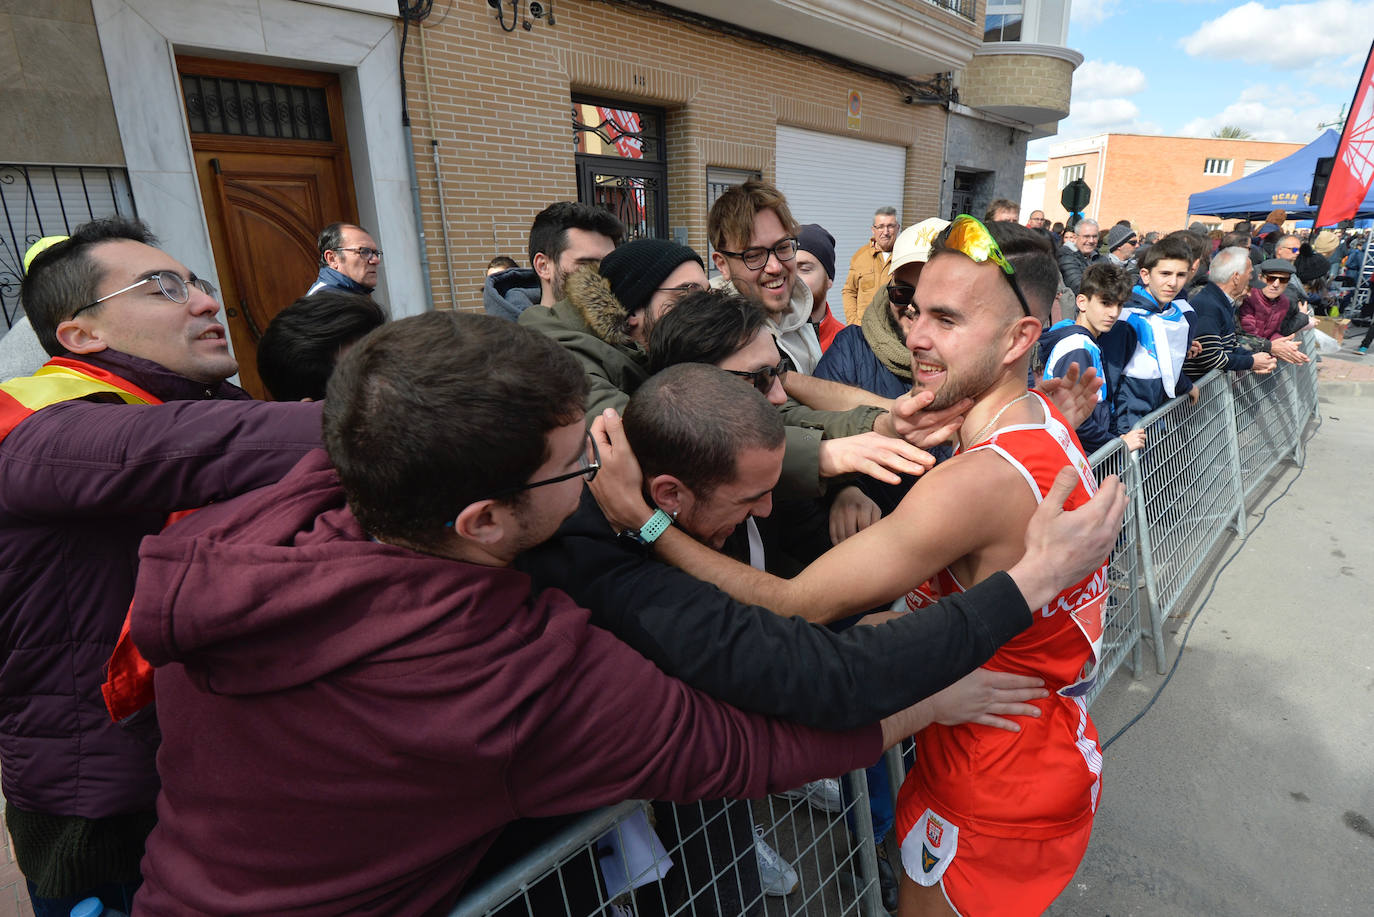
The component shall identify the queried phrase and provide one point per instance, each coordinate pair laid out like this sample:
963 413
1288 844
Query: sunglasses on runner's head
762 379
971 237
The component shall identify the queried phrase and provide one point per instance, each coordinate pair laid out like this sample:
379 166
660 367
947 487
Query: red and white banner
1353 171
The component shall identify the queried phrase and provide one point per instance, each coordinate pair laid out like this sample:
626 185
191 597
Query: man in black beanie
816 269
606 312
1121 245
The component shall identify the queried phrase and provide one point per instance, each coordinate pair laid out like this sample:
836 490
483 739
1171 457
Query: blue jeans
115 896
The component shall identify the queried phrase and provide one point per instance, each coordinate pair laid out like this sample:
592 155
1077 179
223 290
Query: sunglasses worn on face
762 379
1275 278
900 294
969 236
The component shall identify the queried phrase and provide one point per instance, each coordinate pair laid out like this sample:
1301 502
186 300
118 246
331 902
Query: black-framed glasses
970 237
588 464
762 379
170 284
900 294
756 257
1275 278
690 286
367 254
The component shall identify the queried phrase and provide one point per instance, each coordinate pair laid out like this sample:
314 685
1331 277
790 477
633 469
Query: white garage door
838 182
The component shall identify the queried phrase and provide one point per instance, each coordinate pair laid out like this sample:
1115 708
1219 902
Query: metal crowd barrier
708 866
1190 483
1202 463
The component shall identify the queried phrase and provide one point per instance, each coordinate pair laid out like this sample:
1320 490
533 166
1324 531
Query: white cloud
1291 36
1292 117
1097 79
1097 115
1092 12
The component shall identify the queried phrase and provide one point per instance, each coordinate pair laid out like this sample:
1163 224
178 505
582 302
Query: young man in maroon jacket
130 421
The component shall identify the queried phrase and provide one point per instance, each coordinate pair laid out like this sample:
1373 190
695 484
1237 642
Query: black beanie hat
636 269
814 239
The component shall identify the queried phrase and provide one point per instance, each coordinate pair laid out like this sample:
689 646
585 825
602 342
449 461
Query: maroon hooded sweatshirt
347 725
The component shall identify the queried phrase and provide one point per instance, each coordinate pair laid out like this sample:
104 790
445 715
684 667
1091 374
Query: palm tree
1231 132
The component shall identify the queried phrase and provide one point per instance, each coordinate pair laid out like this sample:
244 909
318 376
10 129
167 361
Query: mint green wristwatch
648 533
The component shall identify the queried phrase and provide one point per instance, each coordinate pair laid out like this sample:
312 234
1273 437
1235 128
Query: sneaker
775 876
823 794
1362 350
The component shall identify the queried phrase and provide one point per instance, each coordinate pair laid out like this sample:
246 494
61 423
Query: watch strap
658 523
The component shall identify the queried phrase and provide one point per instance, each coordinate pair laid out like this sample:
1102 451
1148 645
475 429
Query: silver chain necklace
992 423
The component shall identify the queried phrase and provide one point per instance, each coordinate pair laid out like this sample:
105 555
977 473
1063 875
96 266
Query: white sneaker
775 876
823 794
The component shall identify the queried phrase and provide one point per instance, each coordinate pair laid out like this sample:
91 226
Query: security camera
536 9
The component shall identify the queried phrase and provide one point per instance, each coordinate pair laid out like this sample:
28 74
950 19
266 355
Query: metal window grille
1071 173
1217 167
38 201
248 108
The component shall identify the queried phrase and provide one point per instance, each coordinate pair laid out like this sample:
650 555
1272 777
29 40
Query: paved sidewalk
1349 366
1247 790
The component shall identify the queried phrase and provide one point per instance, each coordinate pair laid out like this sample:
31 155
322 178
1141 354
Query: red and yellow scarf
129 686
61 379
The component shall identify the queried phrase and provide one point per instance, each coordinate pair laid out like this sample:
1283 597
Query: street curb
1346 387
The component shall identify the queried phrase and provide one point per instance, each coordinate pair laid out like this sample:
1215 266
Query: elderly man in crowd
868 268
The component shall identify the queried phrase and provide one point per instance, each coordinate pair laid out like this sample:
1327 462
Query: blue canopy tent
1282 185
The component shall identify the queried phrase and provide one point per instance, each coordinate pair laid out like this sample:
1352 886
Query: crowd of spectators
642 530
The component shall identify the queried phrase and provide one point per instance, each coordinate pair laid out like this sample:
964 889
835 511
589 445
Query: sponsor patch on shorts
929 847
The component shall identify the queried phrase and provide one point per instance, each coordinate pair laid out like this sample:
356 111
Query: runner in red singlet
995 820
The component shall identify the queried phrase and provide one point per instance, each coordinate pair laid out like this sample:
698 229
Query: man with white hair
1228 282
1073 262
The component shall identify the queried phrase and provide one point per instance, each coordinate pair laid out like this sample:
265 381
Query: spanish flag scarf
62 379
130 684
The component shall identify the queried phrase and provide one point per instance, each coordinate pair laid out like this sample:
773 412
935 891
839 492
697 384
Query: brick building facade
498 104
1147 179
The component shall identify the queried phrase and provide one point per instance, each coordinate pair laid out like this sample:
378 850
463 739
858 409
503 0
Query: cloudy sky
1188 67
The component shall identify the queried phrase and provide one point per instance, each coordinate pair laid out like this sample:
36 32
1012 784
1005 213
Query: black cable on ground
1202 605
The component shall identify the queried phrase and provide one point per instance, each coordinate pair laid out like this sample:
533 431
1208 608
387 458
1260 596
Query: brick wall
499 105
1147 180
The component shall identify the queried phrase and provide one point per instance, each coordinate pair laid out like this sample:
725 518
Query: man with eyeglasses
349 258
352 674
1074 261
990 821
869 267
130 420
754 238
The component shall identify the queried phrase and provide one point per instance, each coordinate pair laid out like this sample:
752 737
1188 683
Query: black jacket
756 660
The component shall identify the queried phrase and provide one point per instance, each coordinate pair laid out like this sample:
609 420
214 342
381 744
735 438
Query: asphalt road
1248 789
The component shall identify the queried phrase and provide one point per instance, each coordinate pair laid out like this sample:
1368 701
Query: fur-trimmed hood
590 294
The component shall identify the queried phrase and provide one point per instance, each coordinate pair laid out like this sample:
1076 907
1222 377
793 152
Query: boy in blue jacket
1105 287
1151 339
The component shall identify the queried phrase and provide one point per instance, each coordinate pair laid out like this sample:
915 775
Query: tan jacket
868 270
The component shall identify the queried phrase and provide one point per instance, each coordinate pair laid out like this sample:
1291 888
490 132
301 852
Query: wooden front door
273 171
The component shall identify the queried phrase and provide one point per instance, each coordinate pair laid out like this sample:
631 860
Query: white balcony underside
880 33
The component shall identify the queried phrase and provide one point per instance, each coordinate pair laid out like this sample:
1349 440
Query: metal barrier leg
1233 459
872 898
1147 567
